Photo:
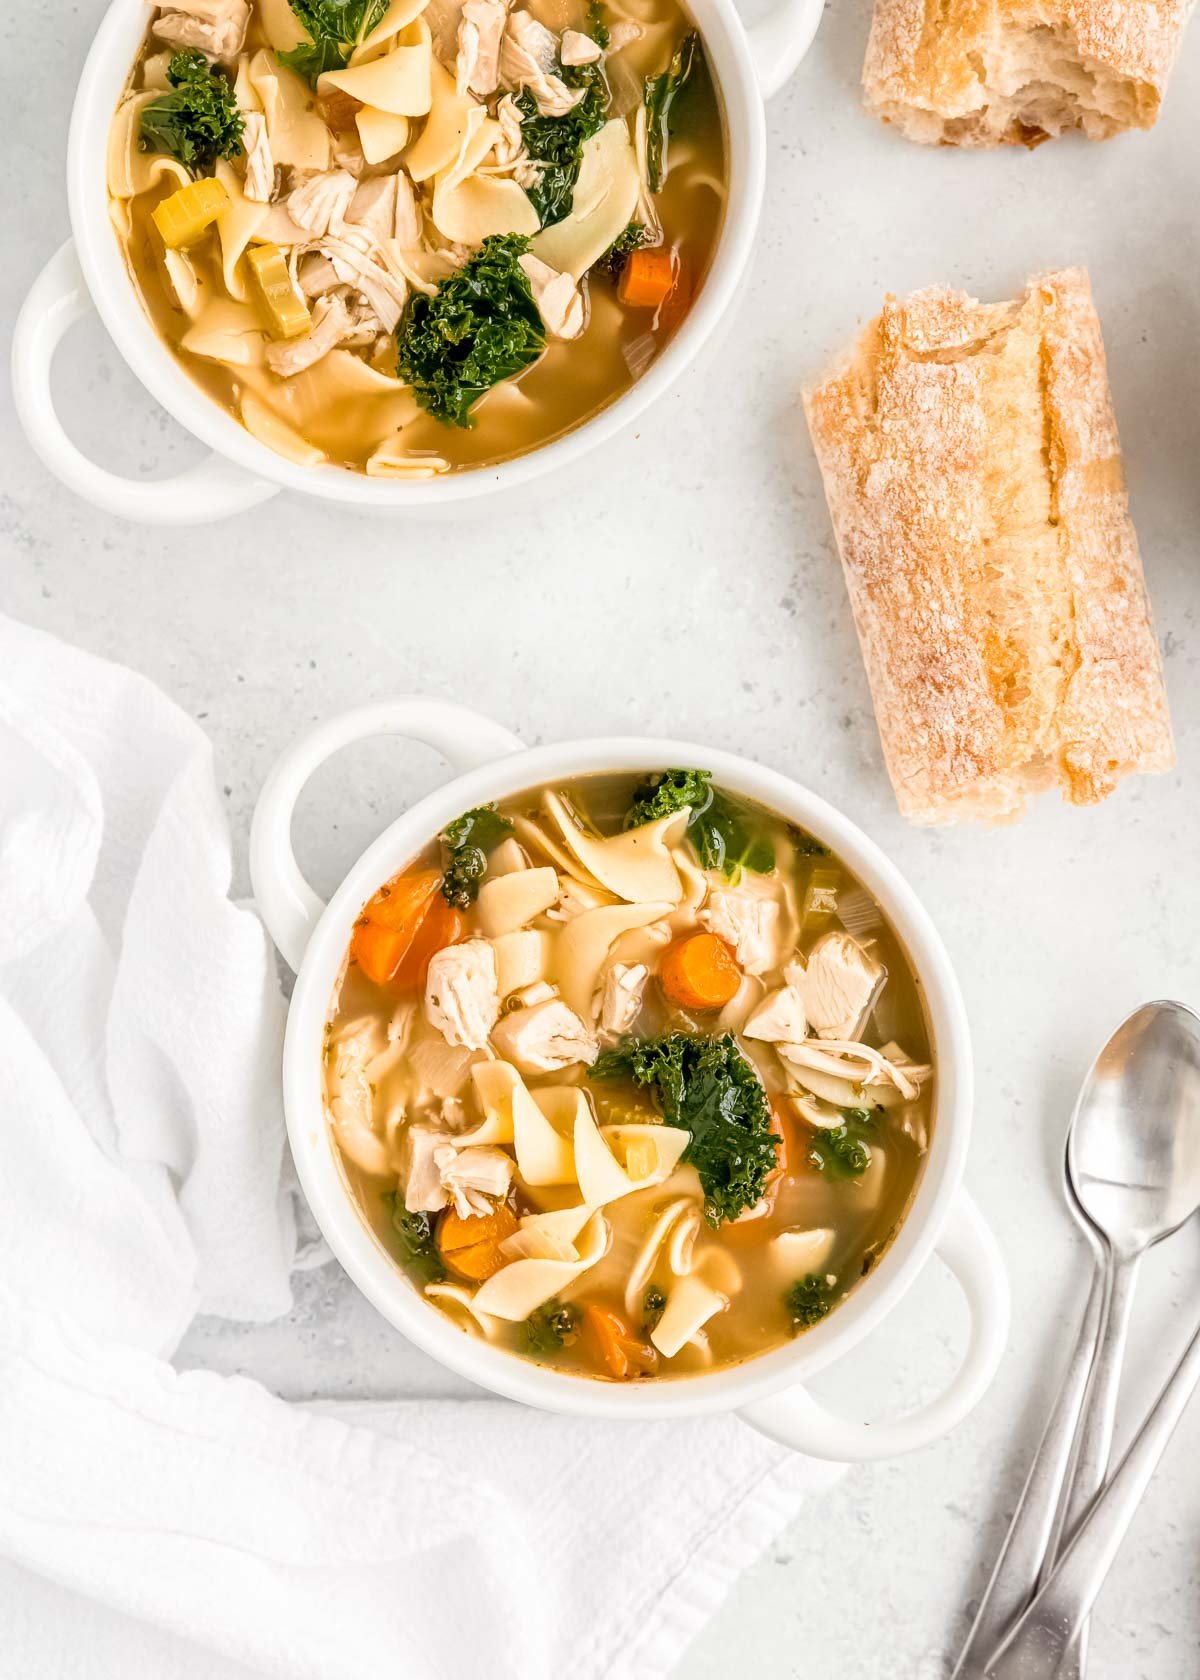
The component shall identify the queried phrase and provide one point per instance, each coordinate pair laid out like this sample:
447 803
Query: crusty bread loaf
973 472
981 72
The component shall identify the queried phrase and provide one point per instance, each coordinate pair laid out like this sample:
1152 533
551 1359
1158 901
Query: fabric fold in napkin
193 1526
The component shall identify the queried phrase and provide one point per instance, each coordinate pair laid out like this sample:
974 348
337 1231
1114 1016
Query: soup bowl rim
115 295
380 1277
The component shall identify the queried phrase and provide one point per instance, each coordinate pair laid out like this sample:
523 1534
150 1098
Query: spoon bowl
1132 1155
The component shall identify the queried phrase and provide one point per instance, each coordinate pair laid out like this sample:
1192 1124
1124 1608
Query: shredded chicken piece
386 206
578 49
622 34
320 204
560 302
332 325
215 27
260 165
424 1191
480 32
528 55
461 996
316 276
545 1038
352 254
473 1175
750 921
348 154
443 18
621 999
351 1101
779 1018
838 984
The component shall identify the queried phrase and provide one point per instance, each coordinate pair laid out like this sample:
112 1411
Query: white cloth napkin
191 1526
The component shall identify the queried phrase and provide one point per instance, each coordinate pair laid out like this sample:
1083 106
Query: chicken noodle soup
630 1077
409 236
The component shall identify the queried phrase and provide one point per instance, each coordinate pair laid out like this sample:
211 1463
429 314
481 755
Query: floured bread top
973 471
985 72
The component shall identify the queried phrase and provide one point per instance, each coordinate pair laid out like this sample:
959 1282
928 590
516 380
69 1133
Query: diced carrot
441 925
471 1247
403 901
390 926
622 1353
648 278
699 971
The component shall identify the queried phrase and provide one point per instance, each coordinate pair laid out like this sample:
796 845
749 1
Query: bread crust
973 473
987 72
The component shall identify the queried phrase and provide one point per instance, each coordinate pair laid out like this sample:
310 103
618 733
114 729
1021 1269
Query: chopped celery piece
820 899
284 304
182 218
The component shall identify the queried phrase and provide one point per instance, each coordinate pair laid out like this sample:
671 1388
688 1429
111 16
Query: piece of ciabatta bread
981 72
973 472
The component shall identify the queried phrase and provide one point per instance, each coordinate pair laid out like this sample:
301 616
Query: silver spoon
1133 1156
1031 1533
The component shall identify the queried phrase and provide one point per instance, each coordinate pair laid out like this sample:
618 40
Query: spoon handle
1093 1438
1049 1628
1033 1523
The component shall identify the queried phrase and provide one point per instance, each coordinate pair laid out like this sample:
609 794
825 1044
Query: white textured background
690 588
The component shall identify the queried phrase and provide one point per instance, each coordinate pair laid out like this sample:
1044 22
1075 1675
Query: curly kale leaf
613 261
335 28
481 326
198 121
555 144
659 96
843 1151
809 1300
709 1088
466 843
415 1247
723 833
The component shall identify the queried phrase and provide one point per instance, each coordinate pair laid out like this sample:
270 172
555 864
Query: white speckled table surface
689 586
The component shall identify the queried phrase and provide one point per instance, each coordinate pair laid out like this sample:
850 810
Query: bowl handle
781 39
286 902
794 1418
213 489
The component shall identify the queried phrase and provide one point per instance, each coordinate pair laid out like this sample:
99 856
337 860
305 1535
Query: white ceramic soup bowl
89 271
491 764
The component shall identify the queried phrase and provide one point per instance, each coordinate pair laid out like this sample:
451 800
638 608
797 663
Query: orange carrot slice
648 278
699 971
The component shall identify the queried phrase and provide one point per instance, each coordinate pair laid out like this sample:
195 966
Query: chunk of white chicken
461 996
560 302
779 1018
510 156
351 1101
622 34
839 983
579 49
386 206
332 325
320 203
621 997
383 291
260 165
480 33
316 275
545 1038
528 55
437 1172
750 921
215 27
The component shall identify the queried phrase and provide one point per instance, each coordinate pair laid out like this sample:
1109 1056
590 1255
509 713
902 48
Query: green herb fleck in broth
654 1304
335 28
480 327
709 1088
414 1241
842 1151
198 121
660 95
808 1301
549 1328
722 833
466 843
